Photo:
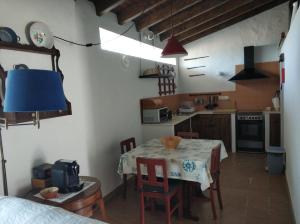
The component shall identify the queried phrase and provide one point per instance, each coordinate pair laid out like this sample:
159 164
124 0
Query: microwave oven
157 115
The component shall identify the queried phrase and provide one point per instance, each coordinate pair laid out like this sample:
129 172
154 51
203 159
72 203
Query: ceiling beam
134 11
162 12
104 6
202 18
223 18
186 15
232 21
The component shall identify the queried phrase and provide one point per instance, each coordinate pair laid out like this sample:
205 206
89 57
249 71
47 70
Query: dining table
189 162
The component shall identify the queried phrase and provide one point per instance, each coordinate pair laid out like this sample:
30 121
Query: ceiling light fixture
173 48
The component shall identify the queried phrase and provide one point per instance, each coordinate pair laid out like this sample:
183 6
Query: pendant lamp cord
95 44
99 43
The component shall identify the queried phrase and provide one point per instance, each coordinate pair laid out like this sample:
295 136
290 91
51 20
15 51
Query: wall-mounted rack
19 117
201 66
166 86
196 75
189 59
165 75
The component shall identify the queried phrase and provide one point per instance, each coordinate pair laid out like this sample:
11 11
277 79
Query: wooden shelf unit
28 48
19 117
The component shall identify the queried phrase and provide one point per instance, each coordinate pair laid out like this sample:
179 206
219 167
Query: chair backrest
188 135
127 145
151 179
215 161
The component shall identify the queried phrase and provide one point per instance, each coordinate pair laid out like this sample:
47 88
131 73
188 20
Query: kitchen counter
180 118
169 128
271 112
181 121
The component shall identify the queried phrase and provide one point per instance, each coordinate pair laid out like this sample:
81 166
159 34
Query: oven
250 132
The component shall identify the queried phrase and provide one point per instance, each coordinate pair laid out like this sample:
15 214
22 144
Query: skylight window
111 41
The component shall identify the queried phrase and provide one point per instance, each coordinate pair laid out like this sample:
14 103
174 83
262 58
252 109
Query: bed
15 210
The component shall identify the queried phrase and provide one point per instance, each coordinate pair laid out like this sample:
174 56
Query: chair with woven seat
215 174
188 135
152 187
126 145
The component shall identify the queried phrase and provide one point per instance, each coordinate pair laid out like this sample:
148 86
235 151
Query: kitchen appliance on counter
157 115
212 102
250 134
42 171
186 107
65 176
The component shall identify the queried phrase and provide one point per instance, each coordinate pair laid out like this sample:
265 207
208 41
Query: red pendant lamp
173 48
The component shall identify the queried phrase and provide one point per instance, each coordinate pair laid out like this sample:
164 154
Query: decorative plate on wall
39 34
8 35
125 61
21 66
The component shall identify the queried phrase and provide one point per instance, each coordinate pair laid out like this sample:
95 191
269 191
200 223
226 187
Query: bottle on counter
276 101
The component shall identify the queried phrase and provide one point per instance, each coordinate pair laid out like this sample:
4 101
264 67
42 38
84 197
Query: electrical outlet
224 98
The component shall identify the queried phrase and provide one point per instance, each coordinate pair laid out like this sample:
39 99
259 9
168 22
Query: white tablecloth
190 161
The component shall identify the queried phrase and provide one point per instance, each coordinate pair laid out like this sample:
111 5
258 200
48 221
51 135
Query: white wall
291 106
104 95
225 49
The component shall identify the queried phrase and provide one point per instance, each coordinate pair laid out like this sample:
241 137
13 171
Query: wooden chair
188 135
215 173
126 146
152 187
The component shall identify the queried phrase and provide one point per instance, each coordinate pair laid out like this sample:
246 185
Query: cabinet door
275 133
223 129
216 126
203 124
183 126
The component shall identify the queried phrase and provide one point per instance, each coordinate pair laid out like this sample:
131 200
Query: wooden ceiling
191 19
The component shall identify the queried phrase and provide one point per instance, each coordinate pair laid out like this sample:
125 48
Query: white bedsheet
20 211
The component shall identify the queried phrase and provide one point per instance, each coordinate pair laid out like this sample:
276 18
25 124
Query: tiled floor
250 196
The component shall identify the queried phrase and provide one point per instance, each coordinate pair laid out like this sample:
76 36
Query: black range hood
249 72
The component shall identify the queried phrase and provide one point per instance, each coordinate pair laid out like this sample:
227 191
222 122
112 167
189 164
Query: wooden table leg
199 193
101 206
187 200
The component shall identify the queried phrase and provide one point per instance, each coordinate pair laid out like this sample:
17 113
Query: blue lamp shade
29 90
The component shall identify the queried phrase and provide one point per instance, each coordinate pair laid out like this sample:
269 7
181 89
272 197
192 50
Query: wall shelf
154 76
189 59
28 48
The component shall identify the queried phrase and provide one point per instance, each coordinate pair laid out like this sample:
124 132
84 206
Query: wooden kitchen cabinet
184 126
275 133
204 125
224 129
213 126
